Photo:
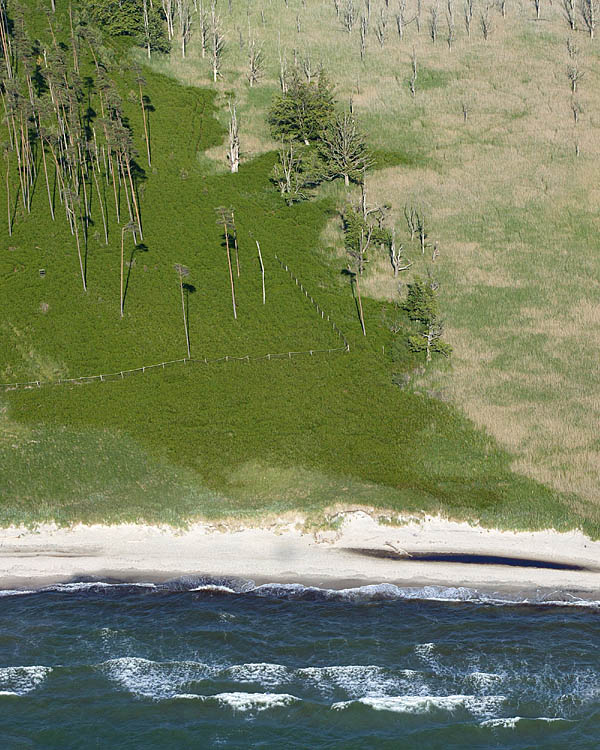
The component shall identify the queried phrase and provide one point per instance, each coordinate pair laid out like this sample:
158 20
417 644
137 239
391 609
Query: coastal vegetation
174 181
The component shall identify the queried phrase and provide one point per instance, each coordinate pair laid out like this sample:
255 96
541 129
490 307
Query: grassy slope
231 438
513 209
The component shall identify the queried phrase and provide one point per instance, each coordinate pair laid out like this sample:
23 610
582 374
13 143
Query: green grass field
232 439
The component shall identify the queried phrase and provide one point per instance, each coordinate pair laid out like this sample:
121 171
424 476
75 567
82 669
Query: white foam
268 675
421 704
355 680
4 693
15 592
245 701
22 680
152 679
213 588
512 721
484 679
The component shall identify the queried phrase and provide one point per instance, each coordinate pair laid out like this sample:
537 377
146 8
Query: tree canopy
126 18
303 112
422 307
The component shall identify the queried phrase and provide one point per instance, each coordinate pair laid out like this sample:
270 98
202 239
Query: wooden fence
121 374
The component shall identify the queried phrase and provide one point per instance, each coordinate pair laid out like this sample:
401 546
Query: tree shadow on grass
142 248
351 275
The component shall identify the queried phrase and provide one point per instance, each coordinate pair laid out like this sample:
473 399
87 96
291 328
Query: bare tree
133 228
344 150
434 12
283 77
291 175
413 77
399 263
217 42
184 12
485 21
225 220
574 73
576 110
363 36
450 23
204 20
401 18
233 149
412 219
422 232
141 81
146 28
307 68
589 13
381 27
570 11
168 7
182 271
356 268
262 271
349 16
502 6
256 62
537 4
468 10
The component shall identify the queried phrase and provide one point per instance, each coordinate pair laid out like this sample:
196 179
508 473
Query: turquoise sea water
231 665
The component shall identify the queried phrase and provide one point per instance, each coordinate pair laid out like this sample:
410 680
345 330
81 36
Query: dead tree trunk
233 151
225 220
262 272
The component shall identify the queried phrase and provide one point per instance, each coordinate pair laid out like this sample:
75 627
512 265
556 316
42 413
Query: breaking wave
227 586
422 704
22 680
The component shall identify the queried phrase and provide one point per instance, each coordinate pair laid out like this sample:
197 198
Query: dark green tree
423 308
303 112
126 18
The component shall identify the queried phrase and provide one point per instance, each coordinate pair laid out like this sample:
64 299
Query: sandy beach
361 551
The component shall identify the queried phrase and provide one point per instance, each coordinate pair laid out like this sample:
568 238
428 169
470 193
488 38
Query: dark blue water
149 667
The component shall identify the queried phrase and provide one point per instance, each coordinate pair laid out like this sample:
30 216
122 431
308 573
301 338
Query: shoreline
361 552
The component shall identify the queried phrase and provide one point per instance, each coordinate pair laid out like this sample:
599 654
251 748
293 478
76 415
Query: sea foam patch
238 701
22 680
356 680
422 704
151 679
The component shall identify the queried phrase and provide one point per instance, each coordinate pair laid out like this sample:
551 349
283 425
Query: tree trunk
360 309
47 183
8 198
122 242
145 126
101 207
187 335
262 271
230 271
134 198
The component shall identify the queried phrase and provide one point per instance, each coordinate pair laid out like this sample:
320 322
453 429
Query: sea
213 663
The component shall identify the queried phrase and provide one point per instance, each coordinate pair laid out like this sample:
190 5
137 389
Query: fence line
121 374
318 308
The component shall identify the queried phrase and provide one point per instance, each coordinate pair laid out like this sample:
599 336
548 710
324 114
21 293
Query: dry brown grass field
510 194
